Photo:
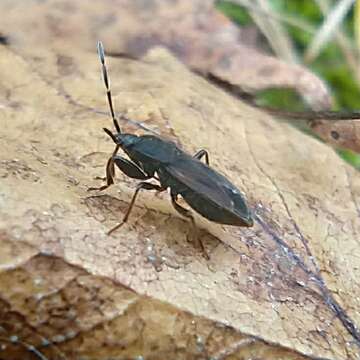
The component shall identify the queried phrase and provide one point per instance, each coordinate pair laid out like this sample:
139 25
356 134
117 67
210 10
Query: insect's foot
98 188
115 228
193 237
205 254
189 238
199 244
101 188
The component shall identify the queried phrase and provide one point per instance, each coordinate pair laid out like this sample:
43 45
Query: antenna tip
100 50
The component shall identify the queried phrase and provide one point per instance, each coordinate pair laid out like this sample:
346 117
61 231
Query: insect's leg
127 167
110 172
142 185
187 213
200 154
130 169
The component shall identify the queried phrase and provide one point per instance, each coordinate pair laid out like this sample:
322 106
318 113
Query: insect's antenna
100 49
111 135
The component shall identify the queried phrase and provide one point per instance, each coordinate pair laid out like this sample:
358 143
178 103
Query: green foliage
350 157
280 99
330 65
234 12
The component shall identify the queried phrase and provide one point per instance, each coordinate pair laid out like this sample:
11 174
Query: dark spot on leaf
4 40
65 65
335 135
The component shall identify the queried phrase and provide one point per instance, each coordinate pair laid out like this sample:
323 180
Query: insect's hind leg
200 154
187 213
142 185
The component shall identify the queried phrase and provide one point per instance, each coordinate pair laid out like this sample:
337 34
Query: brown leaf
292 279
343 134
71 314
193 30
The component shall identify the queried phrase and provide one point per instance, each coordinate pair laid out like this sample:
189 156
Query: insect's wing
210 184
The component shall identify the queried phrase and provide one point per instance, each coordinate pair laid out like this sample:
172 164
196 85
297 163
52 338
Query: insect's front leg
127 167
130 169
110 172
200 154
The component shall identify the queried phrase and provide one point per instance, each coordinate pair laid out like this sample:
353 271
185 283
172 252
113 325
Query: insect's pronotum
205 190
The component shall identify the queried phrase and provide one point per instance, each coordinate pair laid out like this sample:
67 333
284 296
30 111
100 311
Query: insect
205 190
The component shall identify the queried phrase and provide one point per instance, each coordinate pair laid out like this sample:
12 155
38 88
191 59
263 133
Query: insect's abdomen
210 210
205 207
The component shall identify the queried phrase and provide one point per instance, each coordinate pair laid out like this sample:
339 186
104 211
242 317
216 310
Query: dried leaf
71 314
291 280
343 134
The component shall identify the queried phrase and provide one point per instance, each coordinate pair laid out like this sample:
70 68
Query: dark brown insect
206 191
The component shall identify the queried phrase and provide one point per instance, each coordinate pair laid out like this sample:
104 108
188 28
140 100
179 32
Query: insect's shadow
166 230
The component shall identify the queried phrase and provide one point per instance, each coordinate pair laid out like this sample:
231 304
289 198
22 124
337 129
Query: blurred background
324 35
293 56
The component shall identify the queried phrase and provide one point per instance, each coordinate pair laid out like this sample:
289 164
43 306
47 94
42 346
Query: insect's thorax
205 190
150 152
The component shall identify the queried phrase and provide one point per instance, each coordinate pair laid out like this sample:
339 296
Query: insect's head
122 139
